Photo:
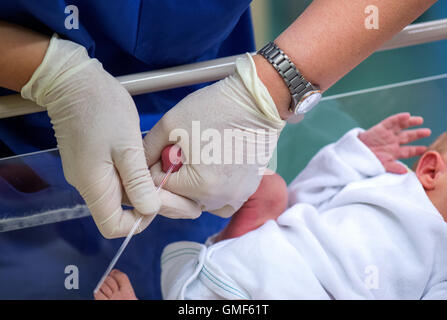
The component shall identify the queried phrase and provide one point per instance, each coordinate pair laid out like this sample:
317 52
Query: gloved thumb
155 141
177 207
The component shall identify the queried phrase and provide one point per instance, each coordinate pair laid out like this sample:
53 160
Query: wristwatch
304 94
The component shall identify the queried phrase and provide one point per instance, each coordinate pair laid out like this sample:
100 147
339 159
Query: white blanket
352 232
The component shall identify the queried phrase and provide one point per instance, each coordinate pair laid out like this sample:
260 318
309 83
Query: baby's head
431 170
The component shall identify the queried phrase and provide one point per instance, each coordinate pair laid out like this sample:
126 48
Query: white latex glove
97 128
239 102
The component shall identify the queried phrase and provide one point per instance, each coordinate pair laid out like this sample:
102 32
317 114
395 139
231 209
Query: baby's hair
439 145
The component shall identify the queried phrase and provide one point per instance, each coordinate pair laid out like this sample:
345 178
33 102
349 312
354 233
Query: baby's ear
429 166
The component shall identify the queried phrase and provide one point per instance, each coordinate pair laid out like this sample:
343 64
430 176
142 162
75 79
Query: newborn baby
351 230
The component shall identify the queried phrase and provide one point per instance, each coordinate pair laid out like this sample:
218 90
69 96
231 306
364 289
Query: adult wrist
62 59
275 85
246 69
304 95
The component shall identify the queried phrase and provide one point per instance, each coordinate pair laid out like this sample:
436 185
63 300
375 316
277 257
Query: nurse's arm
330 38
21 52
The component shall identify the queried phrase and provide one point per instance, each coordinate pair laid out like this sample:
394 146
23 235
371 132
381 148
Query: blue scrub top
128 37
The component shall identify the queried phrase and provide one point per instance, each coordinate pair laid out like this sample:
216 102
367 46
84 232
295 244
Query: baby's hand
386 140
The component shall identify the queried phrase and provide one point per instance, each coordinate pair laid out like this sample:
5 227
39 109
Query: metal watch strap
297 84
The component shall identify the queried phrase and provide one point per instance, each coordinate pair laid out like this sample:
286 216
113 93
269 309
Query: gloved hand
172 206
219 172
97 128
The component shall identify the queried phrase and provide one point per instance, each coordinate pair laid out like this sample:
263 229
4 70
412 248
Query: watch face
308 102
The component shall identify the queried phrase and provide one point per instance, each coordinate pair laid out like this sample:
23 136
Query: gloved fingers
125 200
178 207
147 219
224 212
155 141
136 180
145 222
173 206
103 199
123 222
179 182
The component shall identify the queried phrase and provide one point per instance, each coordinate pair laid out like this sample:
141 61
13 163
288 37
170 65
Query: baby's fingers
413 135
402 121
405 120
412 122
395 167
396 121
411 151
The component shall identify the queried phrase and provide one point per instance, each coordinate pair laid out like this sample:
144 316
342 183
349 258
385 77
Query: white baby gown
352 231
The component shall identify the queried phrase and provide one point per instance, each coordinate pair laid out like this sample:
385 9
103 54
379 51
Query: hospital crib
45 226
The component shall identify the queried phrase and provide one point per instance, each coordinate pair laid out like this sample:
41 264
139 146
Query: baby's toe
105 291
125 287
100 296
121 278
112 283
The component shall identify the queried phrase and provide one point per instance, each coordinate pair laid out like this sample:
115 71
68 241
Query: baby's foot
116 287
267 203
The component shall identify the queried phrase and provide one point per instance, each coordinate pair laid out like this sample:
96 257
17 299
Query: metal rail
151 81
